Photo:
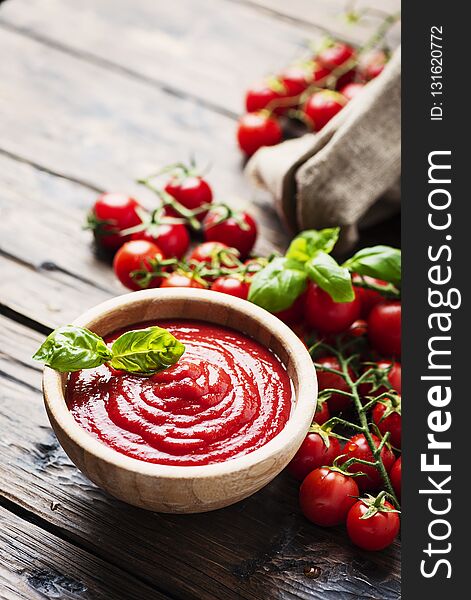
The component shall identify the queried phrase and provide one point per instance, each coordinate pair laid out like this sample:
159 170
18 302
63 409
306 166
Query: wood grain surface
93 95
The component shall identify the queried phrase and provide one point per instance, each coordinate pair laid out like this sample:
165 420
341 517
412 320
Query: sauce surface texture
227 396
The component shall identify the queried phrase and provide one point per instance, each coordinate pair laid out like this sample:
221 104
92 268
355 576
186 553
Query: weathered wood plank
60 111
50 213
204 49
329 16
192 48
260 548
14 359
51 298
36 565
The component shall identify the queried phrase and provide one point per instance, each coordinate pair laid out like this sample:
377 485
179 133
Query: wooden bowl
187 489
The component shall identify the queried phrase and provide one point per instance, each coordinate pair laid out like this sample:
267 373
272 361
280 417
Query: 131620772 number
436 71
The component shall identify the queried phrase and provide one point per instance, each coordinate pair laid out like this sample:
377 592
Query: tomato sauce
227 396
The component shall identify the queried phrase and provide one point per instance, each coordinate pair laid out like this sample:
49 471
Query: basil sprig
331 277
278 284
142 351
308 257
146 350
382 262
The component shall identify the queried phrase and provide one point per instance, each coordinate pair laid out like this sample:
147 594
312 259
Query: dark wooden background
92 95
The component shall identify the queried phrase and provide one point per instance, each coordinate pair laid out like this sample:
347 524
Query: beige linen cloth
348 173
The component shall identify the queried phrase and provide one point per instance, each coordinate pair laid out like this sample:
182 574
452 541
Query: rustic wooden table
93 95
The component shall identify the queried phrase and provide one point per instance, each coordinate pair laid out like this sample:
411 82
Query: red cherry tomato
322 106
319 73
335 55
384 328
209 251
375 533
295 80
181 280
172 238
326 496
368 298
261 95
236 229
294 313
234 286
357 447
111 214
256 130
346 78
394 377
135 256
373 64
191 191
313 453
325 380
327 316
322 413
391 423
351 90
358 328
395 475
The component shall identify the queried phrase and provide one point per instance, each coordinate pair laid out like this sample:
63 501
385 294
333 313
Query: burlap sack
347 174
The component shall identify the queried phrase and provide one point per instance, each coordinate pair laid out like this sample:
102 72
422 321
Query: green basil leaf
278 284
72 348
307 243
382 262
331 277
146 350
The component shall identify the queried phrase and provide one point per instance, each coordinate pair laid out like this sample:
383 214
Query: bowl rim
304 409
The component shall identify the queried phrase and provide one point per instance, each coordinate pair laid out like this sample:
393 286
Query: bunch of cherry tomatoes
311 91
356 348
152 249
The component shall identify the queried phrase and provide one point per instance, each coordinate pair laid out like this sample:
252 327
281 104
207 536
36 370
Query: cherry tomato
322 106
394 377
358 328
322 413
368 298
357 447
384 328
391 423
376 532
209 251
313 453
319 73
351 90
395 475
327 316
326 496
172 238
111 214
191 191
294 313
234 286
236 229
256 130
261 95
135 256
295 80
181 280
373 64
335 55
325 380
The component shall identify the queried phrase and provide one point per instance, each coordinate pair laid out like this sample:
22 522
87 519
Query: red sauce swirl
227 396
